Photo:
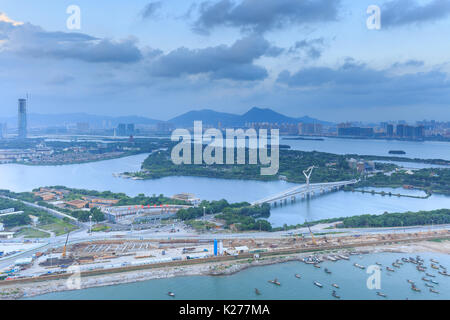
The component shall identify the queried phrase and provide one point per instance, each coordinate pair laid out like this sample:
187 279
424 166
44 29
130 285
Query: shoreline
27 290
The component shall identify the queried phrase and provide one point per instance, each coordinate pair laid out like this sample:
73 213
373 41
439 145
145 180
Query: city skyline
165 58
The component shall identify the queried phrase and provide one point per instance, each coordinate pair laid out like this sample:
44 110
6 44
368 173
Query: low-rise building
188 197
77 204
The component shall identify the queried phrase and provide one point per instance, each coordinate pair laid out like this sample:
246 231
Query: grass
58 227
31 233
99 228
438 240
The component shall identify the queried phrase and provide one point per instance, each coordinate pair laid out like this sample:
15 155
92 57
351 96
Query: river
374 147
99 176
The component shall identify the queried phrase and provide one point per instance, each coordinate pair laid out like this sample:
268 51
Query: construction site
120 255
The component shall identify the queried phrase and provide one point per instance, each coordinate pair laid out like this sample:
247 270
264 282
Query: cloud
221 62
263 15
60 80
311 49
409 63
5 18
404 12
357 85
33 41
150 9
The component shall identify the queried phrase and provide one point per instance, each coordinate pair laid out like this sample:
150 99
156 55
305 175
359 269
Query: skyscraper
22 119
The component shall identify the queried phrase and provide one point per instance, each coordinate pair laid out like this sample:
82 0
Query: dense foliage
241 216
441 216
430 180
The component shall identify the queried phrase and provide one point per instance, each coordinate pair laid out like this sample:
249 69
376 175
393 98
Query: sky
161 58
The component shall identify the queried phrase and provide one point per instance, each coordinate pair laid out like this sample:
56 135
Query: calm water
352 282
98 176
413 149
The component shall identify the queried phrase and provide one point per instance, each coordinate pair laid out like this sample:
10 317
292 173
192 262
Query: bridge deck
303 189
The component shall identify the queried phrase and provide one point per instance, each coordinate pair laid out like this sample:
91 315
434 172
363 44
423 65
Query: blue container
215 247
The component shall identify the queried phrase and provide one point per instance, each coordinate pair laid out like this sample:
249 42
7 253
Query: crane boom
312 235
65 246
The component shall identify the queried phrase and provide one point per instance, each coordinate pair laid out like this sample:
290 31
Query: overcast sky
161 58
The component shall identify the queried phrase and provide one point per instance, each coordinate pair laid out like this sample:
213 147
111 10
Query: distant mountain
208 117
95 121
212 118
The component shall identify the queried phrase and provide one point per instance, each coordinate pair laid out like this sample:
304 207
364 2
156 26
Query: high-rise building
400 130
2 130
389 130
130 129
83 127
22 119
121 129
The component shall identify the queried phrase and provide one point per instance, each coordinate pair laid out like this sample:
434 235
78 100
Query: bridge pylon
307 173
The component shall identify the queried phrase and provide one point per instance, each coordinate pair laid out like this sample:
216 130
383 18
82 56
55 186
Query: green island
328 168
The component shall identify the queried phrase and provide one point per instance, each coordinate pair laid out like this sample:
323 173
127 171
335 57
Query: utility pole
90 225
204 213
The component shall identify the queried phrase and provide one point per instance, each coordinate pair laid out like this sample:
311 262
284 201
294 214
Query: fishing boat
405 260
275 281
171 294
318 284
425 279
429 285
390 269
381 294
298 276
432 260
395 265
430 275
335 295
377 263
434 291
414 288
257 292
410 281
335 285
317 266
435 282
434 266
420 268
327 271
343 257
359 266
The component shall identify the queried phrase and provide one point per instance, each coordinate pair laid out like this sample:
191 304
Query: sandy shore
214 269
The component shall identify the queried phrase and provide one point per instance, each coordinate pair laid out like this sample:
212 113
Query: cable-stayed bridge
303 191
